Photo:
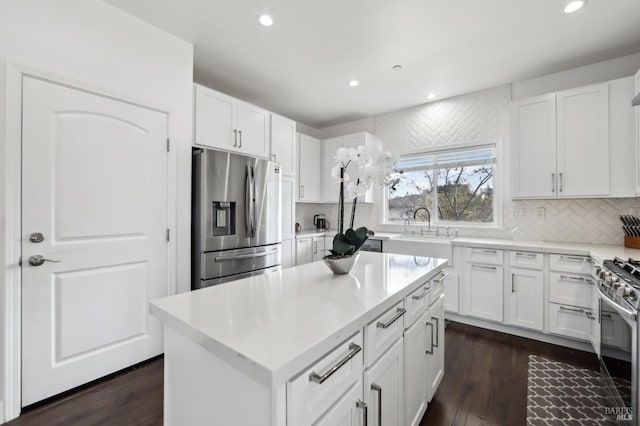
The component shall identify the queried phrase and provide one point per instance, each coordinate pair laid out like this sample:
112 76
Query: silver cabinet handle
605 315
553 182
560 178
486 251
490 268
531 255
301 191
321 378
442 277
513 280
363 405
589 315
564 308
573 258
235 138
240 133
400 312
378 389
437 327
421 295
572 278
37 260
430 352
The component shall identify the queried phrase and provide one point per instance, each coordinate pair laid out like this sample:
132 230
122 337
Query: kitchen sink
418 245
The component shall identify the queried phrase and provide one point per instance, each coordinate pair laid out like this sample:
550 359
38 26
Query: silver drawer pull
378 389
442 277
569 277
530 255
421 295
430 352
564 308
589 315
320 378
364 406
437 327
490 268
573 258
244 256
400 312
485 251
605 315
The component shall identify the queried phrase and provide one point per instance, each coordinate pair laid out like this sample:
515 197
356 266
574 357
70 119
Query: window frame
498 187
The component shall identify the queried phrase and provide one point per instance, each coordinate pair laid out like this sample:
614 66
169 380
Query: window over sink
453 186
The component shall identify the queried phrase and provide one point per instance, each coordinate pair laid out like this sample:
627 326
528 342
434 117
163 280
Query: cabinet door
451 291
330 186
637 114
534 147
526 299
347 411
415 371
253 125
288 207
384 388
309 169
288 253
583 141
213 119
283 143
569 321
484 291
435 361
318 248
304 251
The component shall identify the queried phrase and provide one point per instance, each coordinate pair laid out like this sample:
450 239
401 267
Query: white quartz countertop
307 233
598 252
274 325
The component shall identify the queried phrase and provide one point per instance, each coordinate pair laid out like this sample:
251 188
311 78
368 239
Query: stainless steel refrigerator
236 208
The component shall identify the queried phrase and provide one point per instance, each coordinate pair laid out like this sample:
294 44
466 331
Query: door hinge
168 144
168 234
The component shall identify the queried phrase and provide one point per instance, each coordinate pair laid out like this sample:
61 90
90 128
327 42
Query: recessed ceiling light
431 96
574 5
266 20
353 83
396 67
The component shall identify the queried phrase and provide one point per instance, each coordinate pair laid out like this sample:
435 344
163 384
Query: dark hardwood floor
485 383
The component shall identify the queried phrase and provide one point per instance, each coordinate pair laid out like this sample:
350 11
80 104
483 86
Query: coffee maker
320 222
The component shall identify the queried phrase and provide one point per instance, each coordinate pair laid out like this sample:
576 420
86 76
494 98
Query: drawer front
381 333
570 289
416 304
437 287
568 263
615 333
526 259
483 255
322 384
570 321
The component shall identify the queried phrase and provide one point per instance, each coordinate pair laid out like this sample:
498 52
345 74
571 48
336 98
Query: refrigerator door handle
248 204
253 202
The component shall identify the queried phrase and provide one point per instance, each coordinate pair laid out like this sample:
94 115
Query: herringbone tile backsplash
483 116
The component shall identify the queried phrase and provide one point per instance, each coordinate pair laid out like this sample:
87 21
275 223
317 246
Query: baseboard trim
520 332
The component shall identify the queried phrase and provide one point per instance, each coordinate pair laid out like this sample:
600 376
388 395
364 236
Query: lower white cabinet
347 411
484 291
384 388
615 333
318 248
435 356
570 289
570 321
415 367
304 250
526 299
451 291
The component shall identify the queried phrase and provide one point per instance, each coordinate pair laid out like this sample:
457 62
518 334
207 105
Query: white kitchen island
303 346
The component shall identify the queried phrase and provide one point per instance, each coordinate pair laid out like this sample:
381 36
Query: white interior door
95 187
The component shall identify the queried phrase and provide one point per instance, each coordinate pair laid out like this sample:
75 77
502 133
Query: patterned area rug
561 394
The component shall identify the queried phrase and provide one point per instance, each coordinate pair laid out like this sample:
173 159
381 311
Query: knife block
632 242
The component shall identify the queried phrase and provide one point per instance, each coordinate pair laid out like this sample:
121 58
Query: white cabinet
570 321
223 122
347 411
483 291
570 289
583 141
451 291
304 250
416 373
435 356
283 143
526 299
595 321
309 169
384 388
318 248
574 143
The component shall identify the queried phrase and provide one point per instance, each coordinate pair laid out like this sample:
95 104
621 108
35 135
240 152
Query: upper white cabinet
309 169
331 186
230 124
283 143
574 143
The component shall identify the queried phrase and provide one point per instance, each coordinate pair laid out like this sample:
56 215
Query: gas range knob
627 291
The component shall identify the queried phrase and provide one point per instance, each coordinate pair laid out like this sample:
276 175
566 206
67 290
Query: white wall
94 43
483 115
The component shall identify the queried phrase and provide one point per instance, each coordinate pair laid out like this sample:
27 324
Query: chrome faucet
415 212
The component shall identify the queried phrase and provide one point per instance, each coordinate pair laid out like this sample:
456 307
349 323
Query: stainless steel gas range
618 283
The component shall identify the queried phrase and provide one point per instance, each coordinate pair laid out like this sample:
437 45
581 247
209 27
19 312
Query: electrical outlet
519 212
540 212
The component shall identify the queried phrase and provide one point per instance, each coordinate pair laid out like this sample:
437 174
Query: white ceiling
300 66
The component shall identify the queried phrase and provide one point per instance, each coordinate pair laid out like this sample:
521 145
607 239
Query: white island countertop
272 326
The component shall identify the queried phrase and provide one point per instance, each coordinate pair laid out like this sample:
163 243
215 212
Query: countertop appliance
236 222
320 222
618 284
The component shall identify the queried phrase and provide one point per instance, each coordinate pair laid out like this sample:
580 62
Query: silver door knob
37 260
36 237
